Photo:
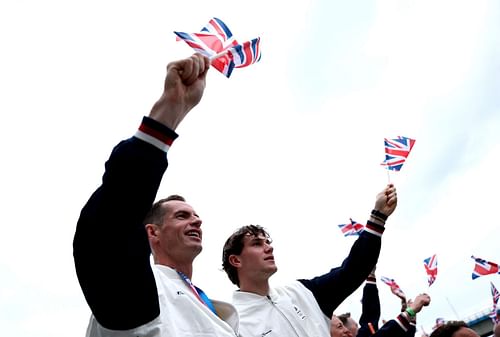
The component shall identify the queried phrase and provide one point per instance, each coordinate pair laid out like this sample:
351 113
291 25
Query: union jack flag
395 289
483 267
353 228
430 265
246 53
217 43
495 295
396 152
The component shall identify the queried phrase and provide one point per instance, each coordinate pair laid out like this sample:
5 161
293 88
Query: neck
256 287
185 268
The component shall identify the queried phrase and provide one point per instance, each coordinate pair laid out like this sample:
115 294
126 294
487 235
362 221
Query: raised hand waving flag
395 289
353 228
217 42
483 267
430 265
396 152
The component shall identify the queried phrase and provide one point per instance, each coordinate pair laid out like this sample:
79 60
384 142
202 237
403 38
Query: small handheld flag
396 152
495 295
430 265
217 43
483 267
354 228
395 289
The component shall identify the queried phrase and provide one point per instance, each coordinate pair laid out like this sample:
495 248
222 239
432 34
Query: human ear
235 261
152 231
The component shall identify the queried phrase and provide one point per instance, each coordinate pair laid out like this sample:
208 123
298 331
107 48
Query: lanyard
200 294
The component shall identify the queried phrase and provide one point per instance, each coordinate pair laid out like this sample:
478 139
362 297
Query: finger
193 74
186 68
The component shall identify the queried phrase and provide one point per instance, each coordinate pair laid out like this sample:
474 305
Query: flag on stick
395 289
217 43
483 267
354 228
430 265
396 152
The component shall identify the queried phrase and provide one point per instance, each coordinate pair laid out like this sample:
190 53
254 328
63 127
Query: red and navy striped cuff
371 280
403 321
156 134
376 229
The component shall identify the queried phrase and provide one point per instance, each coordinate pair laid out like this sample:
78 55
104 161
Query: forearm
333 288
370 304
111 249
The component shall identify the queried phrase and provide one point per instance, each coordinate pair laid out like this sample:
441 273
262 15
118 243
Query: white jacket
288 311
181 313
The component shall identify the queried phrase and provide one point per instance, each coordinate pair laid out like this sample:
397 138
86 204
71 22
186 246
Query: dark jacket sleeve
398 327
110 247
370 310
334 287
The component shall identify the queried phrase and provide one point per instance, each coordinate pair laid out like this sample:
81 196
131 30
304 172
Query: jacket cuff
403 321
373 228
156 134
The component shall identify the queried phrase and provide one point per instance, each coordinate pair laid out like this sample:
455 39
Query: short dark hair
234 246
157 213
448 329
343 317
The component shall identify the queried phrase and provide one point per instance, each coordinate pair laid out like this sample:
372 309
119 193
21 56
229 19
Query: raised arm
334 287
370 303
110 247
404 324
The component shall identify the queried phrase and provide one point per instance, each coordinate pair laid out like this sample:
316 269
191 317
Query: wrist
376 220
379 215
411 312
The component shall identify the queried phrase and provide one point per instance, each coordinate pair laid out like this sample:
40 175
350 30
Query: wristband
411 312
380 215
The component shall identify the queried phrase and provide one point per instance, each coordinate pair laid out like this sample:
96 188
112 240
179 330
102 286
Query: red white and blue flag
495 295
396 152
217 43
353 228
395 289
430 265
246 53
483 267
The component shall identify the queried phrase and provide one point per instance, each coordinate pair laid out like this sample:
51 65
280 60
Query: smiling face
337 328
178 240
352 326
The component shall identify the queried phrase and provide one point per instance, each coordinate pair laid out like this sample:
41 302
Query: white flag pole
216 56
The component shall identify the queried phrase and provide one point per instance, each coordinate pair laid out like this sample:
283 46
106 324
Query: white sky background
292 143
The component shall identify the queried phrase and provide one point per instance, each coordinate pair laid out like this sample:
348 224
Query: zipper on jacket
283 315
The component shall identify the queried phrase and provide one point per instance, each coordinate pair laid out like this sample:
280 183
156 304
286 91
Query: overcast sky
292 143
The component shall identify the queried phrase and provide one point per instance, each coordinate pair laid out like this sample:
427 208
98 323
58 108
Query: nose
196 222
269 248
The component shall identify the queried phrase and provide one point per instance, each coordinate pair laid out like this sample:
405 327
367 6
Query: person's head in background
338 329
454 329
496 330
349 323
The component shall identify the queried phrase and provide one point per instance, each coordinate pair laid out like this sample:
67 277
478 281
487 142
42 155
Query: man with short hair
349 323
454 329
118 228
304 307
